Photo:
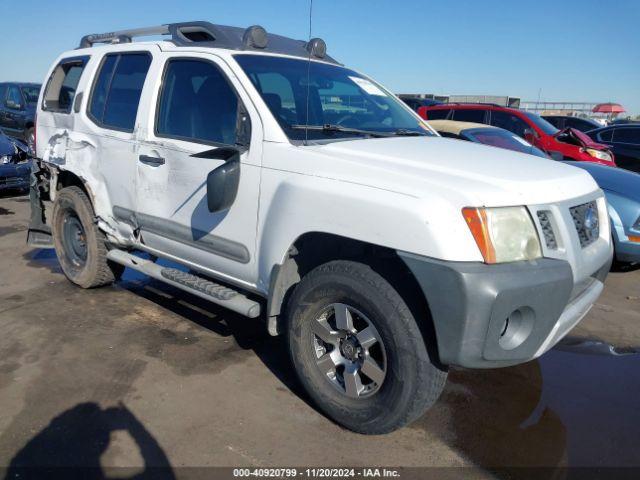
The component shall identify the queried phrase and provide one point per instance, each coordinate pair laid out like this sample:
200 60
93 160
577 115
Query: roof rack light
317 47
255 37
206 34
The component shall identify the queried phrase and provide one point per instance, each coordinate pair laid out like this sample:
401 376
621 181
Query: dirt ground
139 374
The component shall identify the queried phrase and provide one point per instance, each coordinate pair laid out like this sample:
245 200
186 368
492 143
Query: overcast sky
564 50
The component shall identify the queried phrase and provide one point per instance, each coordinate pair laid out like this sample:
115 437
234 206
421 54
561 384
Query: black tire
412 383
72 207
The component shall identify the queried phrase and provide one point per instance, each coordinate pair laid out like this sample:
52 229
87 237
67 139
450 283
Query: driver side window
508 122
197 103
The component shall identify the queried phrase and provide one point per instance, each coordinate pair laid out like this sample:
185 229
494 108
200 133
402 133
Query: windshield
31 94
541 123
338 97
502 139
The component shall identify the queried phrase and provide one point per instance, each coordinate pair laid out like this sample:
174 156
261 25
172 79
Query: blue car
622 189
15 164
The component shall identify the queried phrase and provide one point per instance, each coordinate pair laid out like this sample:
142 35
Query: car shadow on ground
248 334
71 445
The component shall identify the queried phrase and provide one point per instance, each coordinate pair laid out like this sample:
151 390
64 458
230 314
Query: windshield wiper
339 128
403 132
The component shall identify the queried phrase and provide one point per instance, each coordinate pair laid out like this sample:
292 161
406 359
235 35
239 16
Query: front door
196 108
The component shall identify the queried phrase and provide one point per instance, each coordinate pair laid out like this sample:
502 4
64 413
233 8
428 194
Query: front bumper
14 175
489 316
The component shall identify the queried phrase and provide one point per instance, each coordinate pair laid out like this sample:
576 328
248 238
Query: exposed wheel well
68 179
314 249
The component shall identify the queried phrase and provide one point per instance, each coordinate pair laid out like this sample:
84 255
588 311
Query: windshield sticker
367 86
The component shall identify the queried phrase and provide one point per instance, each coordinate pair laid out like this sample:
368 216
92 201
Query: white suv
291 188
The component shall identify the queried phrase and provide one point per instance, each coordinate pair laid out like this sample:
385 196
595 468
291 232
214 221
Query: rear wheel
358 350
79 243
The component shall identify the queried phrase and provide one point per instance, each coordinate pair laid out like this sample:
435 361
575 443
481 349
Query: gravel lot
141 374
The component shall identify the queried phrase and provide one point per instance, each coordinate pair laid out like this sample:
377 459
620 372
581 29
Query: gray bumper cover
469 303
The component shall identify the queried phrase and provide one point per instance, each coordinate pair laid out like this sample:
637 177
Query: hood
613 179
581 139
484 175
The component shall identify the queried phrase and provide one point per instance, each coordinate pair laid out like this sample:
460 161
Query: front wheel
79 243
358 350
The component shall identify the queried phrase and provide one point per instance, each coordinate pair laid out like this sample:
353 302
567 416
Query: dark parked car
17 110
15 164
624 140
564 121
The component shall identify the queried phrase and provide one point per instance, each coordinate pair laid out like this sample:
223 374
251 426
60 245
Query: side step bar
188 282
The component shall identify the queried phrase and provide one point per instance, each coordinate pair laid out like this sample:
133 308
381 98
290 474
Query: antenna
306 130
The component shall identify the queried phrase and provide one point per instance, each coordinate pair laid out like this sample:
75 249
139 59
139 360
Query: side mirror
13 105
530 135
222 182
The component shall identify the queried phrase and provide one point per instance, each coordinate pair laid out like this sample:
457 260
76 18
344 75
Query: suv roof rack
206 34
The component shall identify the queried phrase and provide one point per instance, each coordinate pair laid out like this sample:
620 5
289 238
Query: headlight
5 159
599 154
504 234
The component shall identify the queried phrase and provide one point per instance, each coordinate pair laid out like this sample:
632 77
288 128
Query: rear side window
627 135
61 87
476 116
197 103
117 89
439 114
605 136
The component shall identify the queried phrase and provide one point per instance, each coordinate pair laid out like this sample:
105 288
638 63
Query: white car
304 193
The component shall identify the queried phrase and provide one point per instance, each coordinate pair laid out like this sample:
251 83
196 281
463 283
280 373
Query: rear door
196 109
626 147
111 114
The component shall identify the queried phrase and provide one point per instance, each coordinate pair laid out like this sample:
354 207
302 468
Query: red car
567 144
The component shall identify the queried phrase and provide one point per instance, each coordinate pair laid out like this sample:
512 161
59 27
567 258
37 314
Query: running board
201 287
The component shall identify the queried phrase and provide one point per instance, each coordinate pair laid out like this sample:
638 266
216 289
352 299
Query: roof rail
487 104
206 34
122 36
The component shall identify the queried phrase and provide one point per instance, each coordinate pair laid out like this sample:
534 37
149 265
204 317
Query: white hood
486 175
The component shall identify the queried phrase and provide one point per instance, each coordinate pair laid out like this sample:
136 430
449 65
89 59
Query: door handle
152 161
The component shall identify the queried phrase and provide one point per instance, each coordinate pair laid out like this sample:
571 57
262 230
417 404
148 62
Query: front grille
585 219
544 217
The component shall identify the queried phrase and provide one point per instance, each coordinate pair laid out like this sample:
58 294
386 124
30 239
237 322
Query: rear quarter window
471 115
605 136
62 84
438 114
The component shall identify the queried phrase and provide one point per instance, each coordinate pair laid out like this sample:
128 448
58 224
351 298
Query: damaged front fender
39 233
